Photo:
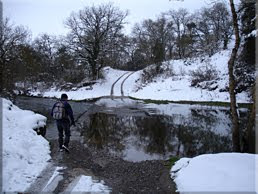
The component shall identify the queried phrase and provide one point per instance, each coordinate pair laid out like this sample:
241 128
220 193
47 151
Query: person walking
63 114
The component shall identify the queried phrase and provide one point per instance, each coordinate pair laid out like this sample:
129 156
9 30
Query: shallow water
136 131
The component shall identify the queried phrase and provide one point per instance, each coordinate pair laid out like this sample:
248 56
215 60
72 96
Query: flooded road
136 131
127 142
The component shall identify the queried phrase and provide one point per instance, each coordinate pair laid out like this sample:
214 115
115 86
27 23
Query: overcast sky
48 16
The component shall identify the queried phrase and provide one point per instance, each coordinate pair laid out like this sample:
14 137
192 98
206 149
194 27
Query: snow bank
54 180
87 184
25 154
224 172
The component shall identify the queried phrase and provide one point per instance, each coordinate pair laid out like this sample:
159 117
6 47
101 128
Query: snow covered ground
102 88
25 154
54 180
223 172
174 88
178 87
87 184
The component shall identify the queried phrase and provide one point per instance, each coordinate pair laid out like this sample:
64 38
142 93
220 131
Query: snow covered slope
178 87
174 88
25 154
101 88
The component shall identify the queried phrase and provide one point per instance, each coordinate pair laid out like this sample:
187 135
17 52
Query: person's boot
65 148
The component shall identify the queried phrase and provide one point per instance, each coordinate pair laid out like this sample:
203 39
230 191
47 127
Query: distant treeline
96 39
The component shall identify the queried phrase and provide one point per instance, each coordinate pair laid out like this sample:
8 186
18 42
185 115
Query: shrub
150 73
74 77
203 74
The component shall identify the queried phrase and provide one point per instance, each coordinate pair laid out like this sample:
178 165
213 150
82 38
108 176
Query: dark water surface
136 131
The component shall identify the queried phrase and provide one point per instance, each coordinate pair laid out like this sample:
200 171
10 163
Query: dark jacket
68 111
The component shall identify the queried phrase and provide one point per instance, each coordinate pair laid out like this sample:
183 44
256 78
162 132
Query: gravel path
121 176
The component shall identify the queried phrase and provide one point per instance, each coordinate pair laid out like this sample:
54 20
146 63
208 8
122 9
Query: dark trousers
63 126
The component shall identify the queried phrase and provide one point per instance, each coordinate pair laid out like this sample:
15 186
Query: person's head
64 97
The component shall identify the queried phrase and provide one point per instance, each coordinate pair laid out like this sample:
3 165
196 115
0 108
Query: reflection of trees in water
153 134
159 134
220 120
194 141
204 116
108 131
211 119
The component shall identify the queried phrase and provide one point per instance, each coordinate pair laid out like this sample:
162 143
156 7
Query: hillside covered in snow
197 79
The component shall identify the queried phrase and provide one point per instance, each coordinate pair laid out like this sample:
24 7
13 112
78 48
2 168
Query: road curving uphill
113 85
112 92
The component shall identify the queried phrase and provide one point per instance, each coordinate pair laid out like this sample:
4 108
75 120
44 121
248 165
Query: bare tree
214 26
151 39
221 23
45 44
10 40
180 19
232 82
137 58
142 52
94 33
205 35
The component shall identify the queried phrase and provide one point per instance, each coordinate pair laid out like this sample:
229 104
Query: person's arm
70 113
53 109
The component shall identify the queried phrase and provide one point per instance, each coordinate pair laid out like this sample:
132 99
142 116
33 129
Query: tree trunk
94 70
225 42
232 83
250 139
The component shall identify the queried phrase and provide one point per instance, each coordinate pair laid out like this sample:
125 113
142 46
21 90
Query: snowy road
119 82
122 84
113 85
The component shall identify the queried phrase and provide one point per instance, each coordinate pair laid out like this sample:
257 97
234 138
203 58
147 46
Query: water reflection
137 131
159 136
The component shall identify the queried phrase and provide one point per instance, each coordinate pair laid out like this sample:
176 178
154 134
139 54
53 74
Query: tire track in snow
122 84
112 87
